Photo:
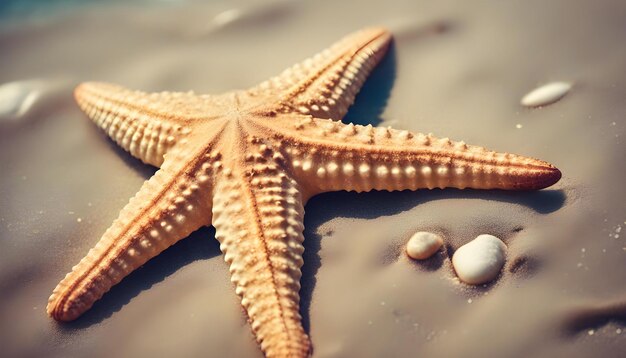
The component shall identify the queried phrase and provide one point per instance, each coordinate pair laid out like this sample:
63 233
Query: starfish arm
168 207
329 156
147 125
259 222
326 84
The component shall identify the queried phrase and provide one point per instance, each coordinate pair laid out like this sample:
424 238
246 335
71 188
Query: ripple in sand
592 316
546 94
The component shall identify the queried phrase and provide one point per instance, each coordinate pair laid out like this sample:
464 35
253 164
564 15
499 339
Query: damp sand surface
455 69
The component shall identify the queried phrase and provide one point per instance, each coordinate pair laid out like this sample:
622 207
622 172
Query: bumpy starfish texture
247 162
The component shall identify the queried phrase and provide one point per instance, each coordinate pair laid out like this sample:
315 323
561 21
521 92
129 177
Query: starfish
247 161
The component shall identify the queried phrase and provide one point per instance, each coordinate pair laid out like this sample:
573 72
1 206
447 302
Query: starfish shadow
382 203
145 170
371 100
375 204
198 246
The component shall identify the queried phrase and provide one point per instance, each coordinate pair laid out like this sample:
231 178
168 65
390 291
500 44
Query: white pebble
546 94
423 245
480 260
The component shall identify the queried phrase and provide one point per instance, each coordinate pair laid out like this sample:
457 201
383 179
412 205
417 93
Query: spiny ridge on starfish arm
247 161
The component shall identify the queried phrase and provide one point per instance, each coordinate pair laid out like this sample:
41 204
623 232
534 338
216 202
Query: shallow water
455 70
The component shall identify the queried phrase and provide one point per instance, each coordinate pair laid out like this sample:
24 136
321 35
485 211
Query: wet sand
455 70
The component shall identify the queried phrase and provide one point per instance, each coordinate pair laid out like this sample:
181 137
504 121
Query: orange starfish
247 162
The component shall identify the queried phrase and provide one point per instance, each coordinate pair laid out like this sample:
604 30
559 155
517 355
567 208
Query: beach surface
454 69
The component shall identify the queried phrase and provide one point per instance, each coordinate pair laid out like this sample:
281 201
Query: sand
455 70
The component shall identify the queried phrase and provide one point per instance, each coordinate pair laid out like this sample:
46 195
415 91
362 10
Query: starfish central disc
247 161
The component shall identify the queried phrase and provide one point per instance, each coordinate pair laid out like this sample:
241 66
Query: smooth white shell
546 94
17 97
423 245
480 260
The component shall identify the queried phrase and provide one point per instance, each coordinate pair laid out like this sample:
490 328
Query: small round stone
480 260
423 245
